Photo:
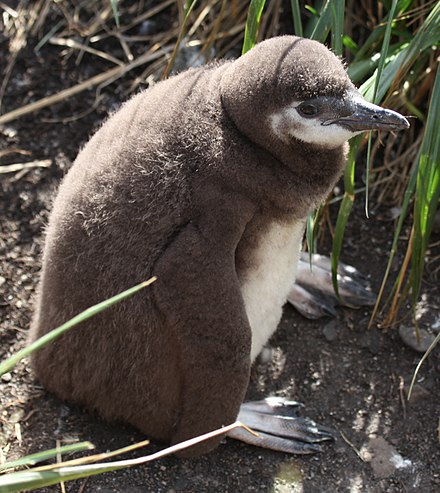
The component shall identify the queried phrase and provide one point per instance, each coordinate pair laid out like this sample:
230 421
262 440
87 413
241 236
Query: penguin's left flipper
199 296
312 305
279 428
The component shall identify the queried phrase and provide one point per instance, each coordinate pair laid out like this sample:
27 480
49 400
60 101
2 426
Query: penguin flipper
198 293
279 428
310 304
313 294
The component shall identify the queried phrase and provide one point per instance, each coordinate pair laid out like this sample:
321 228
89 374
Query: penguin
205 181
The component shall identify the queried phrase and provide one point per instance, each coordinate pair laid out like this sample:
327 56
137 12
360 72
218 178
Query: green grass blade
384 52
323 23
427 190
48 35
358 71
344 209
88 459
383 56
337 25
368 46
312 224
367 174
350 43
30 460
341 223
32 480
252 24
115 12
399 64
309 235
375 37
296 15
7 365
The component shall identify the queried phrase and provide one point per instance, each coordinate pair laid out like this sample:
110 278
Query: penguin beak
367 116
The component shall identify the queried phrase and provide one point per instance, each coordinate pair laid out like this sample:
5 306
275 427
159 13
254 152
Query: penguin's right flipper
279 428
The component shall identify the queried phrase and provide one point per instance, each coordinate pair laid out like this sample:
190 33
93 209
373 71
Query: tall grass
387 63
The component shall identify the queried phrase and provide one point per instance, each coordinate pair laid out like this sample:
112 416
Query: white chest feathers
266 286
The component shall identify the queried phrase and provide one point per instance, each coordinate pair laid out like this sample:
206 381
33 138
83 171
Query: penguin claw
278 430
313 295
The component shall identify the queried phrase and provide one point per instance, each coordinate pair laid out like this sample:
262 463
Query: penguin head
294 89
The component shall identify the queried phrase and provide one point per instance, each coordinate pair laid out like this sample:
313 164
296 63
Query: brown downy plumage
200 181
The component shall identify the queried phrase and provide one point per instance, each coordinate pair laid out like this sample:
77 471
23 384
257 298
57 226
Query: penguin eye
308 110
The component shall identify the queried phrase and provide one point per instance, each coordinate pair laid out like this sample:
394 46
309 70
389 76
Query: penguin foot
313 295
280 428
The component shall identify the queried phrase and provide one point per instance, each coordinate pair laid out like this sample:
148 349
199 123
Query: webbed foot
313 295
280 428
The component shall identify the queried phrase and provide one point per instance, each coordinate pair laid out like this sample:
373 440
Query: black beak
368 116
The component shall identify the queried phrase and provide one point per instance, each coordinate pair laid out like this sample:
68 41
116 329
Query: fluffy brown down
179 183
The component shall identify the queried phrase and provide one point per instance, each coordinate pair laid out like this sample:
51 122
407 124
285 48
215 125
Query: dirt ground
349 377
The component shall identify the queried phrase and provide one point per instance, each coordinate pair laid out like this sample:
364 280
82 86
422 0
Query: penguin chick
204 181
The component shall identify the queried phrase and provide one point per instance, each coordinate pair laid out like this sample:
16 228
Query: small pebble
435 326
9 132
330 331
6 377
372 340
266 355
147 27
409 337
